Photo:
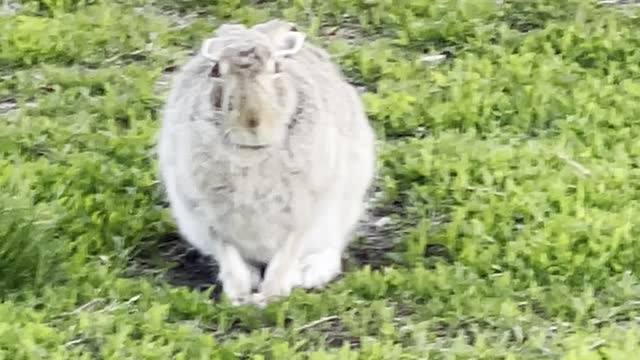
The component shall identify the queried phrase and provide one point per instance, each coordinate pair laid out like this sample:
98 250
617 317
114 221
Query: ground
503 223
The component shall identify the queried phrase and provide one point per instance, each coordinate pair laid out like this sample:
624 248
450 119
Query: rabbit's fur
266 154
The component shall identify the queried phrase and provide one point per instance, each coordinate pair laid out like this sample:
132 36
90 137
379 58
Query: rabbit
266 154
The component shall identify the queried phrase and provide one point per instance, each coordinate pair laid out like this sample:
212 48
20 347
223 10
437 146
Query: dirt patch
336 335
620 2
175 261
377 237
7 105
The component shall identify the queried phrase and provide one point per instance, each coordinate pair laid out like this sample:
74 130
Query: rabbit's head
257 99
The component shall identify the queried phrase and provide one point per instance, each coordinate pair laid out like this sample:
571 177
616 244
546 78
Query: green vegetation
514 162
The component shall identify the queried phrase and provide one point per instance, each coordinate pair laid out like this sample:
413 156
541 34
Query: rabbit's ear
273 28
290 43
229 29
212 48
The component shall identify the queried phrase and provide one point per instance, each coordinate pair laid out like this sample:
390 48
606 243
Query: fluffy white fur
261 166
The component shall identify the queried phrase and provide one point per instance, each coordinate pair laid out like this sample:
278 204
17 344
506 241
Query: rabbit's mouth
242 139
250 146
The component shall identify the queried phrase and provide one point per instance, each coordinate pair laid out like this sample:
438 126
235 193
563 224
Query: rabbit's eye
217 97
215 71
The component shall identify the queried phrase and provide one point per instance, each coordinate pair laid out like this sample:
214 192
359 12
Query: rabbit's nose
252 123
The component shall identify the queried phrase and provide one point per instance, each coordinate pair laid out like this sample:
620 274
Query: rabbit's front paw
278 287
238 278
278 282
238 300
320 268
237 290
238 293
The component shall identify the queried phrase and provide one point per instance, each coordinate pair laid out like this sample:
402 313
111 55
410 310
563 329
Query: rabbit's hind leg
313 257
321 264
322 260
320 268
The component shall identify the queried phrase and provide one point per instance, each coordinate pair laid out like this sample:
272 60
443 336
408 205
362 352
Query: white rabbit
266 155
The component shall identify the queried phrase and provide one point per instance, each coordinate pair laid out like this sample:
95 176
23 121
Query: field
504 222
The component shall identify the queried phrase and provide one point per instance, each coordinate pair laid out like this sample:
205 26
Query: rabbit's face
256 98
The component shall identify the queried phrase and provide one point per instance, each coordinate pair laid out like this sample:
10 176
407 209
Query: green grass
517 157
